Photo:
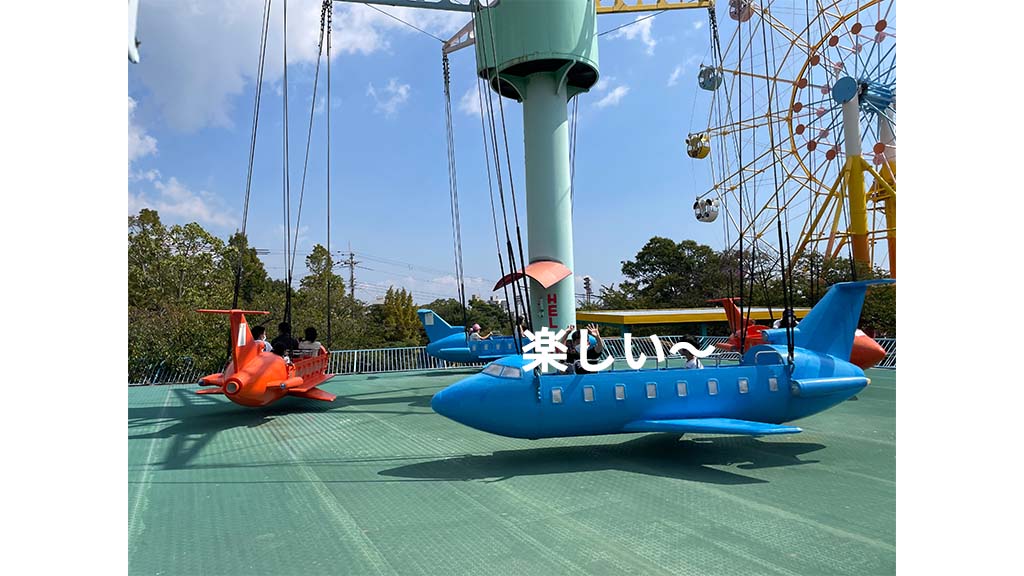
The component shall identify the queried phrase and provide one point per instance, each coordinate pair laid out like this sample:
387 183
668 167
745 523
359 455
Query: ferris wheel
801 128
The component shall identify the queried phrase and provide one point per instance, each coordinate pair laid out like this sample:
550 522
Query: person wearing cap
474 333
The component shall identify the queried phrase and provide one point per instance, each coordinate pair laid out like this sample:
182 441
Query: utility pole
351 263
587 288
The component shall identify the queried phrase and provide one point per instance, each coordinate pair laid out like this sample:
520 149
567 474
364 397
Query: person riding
284 337
260 333
281 351
574 347
474 333
691 360
310 346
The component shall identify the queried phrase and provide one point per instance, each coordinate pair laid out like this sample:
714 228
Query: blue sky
190 106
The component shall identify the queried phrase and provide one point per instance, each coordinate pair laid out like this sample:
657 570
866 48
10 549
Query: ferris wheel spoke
882 58
888 74
792 37
750 123
888 120
827 131
872 133
749 167
826 100
878 62
750 74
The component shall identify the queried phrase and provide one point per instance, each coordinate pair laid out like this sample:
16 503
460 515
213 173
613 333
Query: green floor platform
376 483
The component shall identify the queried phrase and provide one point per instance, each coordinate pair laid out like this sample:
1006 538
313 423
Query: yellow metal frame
856 195
632 318
621 6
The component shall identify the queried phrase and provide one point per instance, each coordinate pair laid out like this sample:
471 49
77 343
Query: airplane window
511 372
556 395
652 390
588 393
744 387
493 370
681 388
712 387
620 392
773 384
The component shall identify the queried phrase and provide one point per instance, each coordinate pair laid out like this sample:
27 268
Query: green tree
447 308
667 274
626 297
401 324
879 313
350 327
253 281
172 272
147 255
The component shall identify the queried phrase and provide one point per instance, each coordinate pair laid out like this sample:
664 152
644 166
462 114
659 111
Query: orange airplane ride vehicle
255 377
865 353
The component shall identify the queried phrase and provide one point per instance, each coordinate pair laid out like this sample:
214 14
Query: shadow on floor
190 421
657 454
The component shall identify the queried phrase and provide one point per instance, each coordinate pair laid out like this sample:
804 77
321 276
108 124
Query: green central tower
542 53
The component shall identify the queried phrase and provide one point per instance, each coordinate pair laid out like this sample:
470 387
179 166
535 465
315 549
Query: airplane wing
710 426
210 391
313 394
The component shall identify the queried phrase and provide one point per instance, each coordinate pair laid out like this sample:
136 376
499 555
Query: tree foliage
175 270
668 274
401 323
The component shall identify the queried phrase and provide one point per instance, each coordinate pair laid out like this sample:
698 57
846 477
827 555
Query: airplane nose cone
866 352
442 404
457 402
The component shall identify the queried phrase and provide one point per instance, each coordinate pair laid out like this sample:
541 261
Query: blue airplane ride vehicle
452 343
756 397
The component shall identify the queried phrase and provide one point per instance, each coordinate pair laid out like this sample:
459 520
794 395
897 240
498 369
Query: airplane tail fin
830 326
435 326
732 313
241 336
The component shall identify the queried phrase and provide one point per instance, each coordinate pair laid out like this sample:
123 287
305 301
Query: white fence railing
385 360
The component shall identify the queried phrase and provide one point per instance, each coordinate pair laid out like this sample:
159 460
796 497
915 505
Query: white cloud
361 29
199 59
681 69
139 143
674 78
698 24
613 97
470 101
641 30
395 95
603 83
177 203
